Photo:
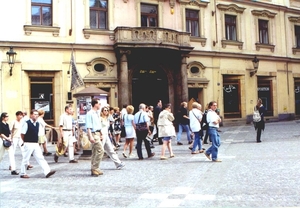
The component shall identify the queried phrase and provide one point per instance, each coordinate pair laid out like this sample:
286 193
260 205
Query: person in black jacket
157 111
183 123
261 124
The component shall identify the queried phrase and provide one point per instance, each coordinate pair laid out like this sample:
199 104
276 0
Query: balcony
143 37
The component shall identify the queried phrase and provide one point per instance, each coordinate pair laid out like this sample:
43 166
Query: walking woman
213 120
6 134
117 125
130 130
166 130
261 124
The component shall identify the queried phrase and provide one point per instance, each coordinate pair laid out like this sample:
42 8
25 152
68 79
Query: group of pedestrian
103 124
26 134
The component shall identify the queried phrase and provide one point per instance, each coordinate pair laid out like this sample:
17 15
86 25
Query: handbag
141 126
6 143
123 132
256 115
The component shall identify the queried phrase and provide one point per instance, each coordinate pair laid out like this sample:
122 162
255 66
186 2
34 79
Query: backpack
204 121
256 115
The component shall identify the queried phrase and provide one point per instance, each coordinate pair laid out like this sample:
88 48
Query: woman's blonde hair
129 109
41 112
102 114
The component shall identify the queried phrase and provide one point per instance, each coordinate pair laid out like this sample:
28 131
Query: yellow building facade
146 50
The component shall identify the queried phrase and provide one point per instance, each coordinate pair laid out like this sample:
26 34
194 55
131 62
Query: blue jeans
186 129
216 142
197 142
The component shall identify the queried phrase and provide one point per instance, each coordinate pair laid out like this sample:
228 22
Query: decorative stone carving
88 32
231 8
152 36
263 13
39 28
232 42
294 19
267 46
105 74
198 3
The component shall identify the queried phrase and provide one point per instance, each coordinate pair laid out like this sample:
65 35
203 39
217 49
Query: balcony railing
151 37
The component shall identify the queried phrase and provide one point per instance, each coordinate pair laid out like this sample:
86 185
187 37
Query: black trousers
141 136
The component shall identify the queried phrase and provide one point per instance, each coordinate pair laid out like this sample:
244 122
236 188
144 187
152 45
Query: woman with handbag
6 134
130 131
259 126
166 130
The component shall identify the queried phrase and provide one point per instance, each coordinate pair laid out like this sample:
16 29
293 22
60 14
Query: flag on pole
76 80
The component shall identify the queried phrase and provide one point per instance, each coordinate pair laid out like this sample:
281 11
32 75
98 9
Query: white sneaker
131 155
124 155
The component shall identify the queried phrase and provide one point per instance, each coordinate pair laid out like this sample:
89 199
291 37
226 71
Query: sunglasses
105 110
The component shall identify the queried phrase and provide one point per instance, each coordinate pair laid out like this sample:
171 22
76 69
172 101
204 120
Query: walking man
213 120
142 117
65 128
93 127
29 135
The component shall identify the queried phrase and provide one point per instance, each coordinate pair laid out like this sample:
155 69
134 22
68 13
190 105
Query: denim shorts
167 138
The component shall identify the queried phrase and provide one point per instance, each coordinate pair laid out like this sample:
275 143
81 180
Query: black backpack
204 121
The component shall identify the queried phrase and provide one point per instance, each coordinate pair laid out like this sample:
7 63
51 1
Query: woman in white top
130 130
42 134
195 116
213 120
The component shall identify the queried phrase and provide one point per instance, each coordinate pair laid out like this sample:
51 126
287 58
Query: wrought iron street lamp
11 57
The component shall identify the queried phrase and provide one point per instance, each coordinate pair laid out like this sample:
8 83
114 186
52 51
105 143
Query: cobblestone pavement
251 175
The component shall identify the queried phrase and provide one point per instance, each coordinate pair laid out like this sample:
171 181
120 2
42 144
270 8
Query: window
192 22
263 31
297 36
230 27
98 14
149 15
41 12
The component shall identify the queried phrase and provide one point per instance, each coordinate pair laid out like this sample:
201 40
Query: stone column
184 82
123 86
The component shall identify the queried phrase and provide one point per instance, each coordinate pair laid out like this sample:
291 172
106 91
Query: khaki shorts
42 139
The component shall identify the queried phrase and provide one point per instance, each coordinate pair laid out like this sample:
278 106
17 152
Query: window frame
263 31
98 11
270 17
41 6
232 10
229 28
297 36
190 20
149 15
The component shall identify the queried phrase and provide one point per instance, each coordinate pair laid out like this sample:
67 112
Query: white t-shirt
211 117
42 126
195 116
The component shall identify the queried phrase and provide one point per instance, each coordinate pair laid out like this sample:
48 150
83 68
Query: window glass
149 15
98 14
263 31
230 27
42 1
297 36
192 22
35 15
47 16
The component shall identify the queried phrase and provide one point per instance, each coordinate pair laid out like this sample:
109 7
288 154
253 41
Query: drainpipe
70 30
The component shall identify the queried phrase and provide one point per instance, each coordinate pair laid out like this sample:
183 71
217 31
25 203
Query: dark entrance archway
148 86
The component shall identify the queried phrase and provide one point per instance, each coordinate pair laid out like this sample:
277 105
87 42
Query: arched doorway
148 86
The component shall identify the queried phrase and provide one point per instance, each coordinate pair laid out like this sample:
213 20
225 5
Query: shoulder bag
141 126
256 115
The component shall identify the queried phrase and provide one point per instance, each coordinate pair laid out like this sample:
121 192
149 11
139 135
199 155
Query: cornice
295 19
263 13
264 5
194 3
231 8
